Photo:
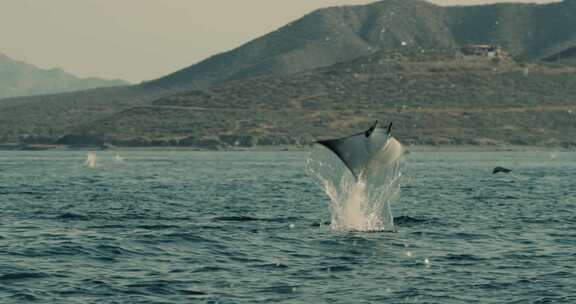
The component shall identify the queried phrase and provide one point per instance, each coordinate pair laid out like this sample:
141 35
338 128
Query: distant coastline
302 148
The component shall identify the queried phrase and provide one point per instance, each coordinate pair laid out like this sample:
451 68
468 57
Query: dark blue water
250 227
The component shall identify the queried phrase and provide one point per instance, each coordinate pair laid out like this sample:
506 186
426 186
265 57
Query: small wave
22 276
74 217
185 236
494 197
399 221
557 299
468 236
462 257
242 218
338 268
157 227
499 285
209 269
88 180
236 219
24 297
151 288
108 226
271 266
283 289
192 292
405 220
162 288
110 250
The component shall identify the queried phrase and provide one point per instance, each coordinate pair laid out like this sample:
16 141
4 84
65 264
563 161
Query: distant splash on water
364 204
91 160
118 158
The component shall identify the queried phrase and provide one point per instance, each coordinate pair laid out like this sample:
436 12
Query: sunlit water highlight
362 204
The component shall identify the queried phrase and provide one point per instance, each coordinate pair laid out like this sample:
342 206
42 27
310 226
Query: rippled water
251 227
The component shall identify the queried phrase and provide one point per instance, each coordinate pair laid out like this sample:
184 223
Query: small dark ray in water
27 192
501 169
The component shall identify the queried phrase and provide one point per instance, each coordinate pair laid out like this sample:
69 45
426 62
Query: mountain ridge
18 78
347 32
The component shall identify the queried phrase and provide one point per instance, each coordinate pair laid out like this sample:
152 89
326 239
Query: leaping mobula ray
366 153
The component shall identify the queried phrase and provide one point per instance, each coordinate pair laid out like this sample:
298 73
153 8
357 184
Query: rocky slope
432 97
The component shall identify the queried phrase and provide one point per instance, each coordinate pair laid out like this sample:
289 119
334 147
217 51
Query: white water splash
118 158
363 204
91 160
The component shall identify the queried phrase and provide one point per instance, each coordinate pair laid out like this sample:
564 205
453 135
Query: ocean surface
253 227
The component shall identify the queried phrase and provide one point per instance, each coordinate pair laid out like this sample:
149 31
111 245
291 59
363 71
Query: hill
433 97
339 34
18 78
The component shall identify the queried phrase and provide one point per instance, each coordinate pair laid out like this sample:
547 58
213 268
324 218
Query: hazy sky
144 39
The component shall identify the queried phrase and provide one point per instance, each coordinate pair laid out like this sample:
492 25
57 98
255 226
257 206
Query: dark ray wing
357 150
501 169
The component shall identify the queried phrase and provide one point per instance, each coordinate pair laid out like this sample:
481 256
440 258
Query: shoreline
280 148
